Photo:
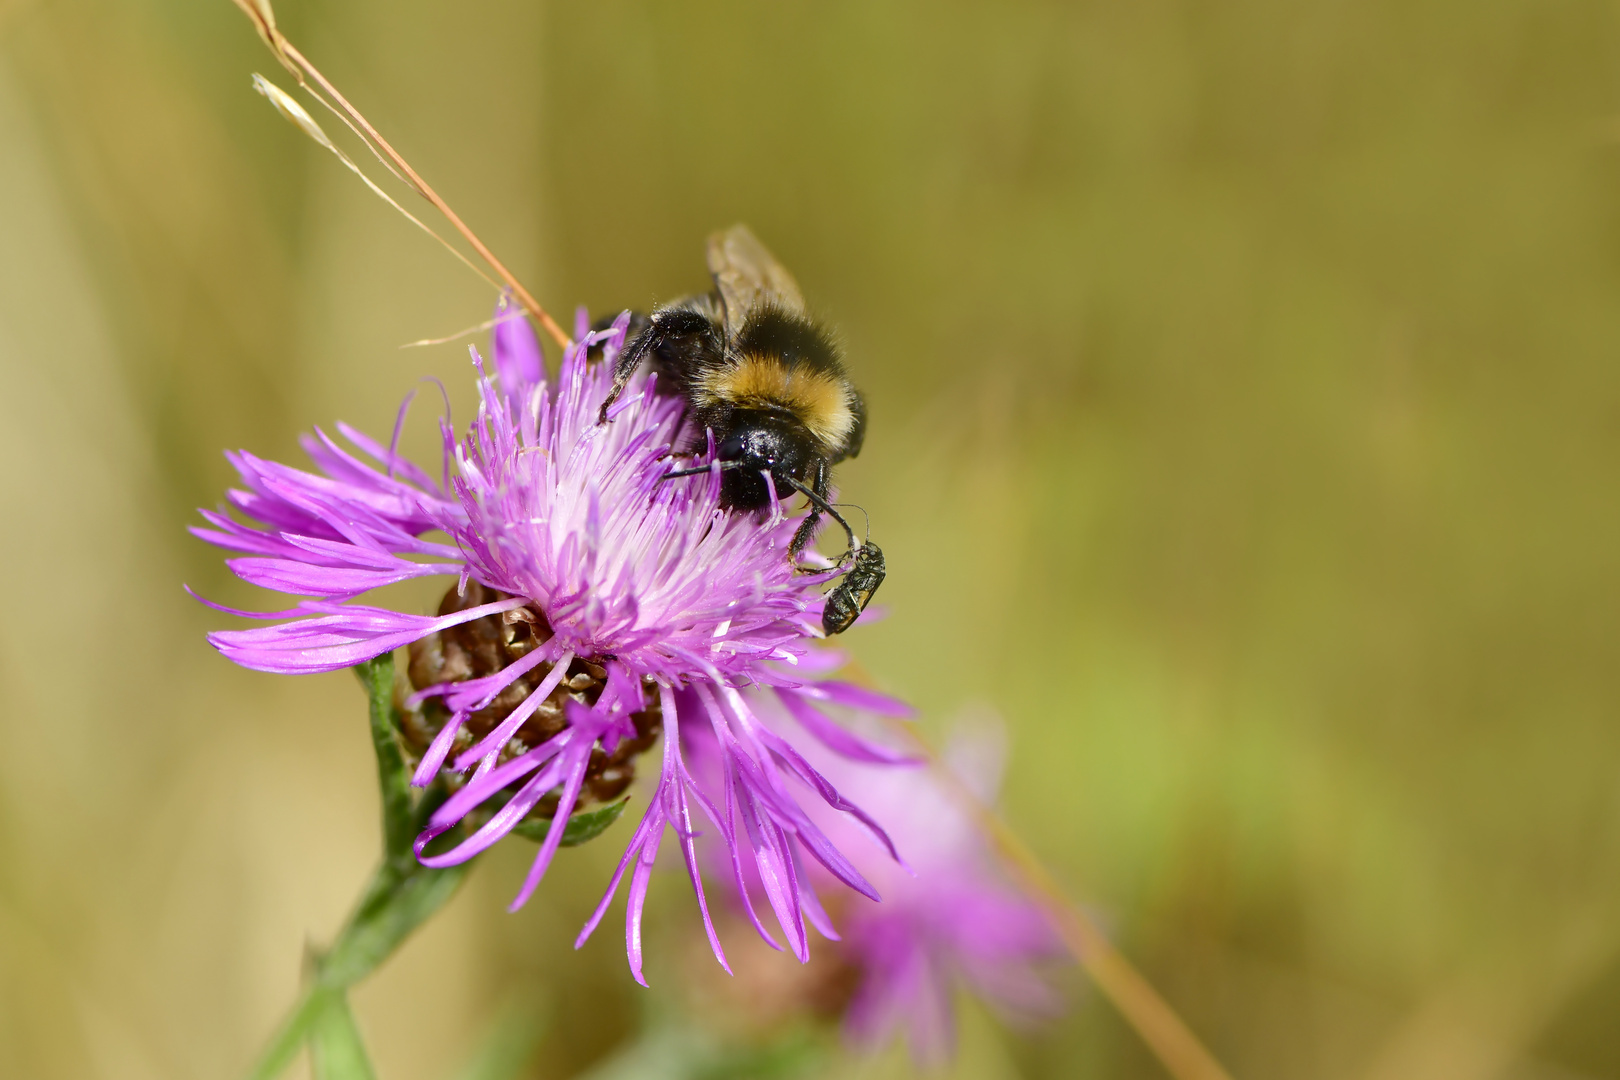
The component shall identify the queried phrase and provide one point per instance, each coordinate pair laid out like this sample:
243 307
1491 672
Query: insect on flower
766 381
593 607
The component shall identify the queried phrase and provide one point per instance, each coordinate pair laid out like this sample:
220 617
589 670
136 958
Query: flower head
611 604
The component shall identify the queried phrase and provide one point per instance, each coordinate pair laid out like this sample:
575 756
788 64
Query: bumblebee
766 379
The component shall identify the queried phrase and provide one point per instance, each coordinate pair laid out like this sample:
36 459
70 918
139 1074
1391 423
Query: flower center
482 647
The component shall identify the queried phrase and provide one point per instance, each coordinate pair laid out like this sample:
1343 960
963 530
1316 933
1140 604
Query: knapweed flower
947 919
593 607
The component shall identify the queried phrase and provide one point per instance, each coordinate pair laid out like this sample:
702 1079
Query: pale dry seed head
289 108
292 111
264 22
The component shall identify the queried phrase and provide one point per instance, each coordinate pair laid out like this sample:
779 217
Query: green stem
400 896
400 817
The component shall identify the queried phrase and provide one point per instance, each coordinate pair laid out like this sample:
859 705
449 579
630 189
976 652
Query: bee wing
747 275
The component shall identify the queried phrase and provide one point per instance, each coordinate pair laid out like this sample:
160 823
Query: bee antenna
826 508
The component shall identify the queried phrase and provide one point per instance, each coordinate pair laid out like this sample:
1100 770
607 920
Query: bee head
762 441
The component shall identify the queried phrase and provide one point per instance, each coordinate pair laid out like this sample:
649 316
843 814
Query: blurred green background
1245 413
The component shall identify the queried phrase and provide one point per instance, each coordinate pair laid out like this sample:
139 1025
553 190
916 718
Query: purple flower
622 602
947 918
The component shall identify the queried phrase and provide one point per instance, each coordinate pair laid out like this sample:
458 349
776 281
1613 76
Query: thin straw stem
288 107
264 21
1182 1055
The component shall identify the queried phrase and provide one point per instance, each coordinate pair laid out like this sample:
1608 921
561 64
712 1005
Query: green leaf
336 1051
581 827
393 774
290 1038
395 905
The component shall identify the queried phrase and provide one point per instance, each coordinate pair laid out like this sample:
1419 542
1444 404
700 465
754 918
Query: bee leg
807 528
638 326
629 360
680 338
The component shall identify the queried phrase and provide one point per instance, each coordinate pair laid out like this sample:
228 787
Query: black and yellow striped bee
767 380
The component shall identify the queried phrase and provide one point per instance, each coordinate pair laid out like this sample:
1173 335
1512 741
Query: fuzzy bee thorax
817 399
